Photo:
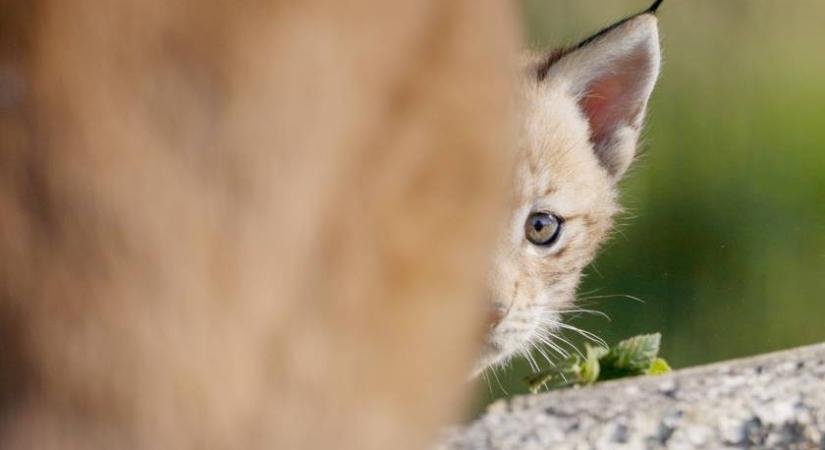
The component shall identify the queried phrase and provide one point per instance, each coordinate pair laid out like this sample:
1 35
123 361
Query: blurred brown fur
244 224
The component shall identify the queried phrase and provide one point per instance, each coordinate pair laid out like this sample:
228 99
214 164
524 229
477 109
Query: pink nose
494 317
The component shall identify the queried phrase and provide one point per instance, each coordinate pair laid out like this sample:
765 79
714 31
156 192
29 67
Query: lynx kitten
583 112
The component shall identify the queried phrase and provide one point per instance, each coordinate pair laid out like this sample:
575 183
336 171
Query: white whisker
498 381
588 335
603 297
563 339
573 311
544 354
547 340
532 361
586 311
487 380
591 292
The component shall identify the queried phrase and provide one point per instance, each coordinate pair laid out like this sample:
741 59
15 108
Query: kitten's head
583 112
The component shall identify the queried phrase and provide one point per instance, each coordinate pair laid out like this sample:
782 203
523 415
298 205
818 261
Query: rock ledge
774 401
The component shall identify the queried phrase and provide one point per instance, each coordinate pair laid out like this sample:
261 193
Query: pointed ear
611 75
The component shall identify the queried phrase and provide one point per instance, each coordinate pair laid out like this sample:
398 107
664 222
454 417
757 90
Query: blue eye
542 229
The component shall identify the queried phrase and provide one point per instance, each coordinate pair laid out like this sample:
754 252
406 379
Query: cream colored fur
565 169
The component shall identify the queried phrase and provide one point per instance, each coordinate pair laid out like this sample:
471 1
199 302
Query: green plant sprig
629 358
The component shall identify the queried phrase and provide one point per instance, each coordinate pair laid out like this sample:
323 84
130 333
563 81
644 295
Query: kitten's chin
486 361
495 353
505 342
491 355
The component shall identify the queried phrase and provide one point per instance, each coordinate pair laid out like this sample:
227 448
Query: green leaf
636 353
659 367
629 358
590 368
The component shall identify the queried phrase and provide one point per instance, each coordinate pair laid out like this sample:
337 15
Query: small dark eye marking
543 229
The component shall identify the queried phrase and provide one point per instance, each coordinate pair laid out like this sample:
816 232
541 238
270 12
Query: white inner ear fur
611 79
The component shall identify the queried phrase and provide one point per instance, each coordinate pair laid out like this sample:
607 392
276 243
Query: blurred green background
724 235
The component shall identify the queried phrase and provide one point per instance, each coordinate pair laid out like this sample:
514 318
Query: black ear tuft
544 67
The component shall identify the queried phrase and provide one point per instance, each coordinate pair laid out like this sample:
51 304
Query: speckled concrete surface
774 401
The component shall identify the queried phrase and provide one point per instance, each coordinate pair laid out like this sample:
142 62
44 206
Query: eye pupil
542 229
